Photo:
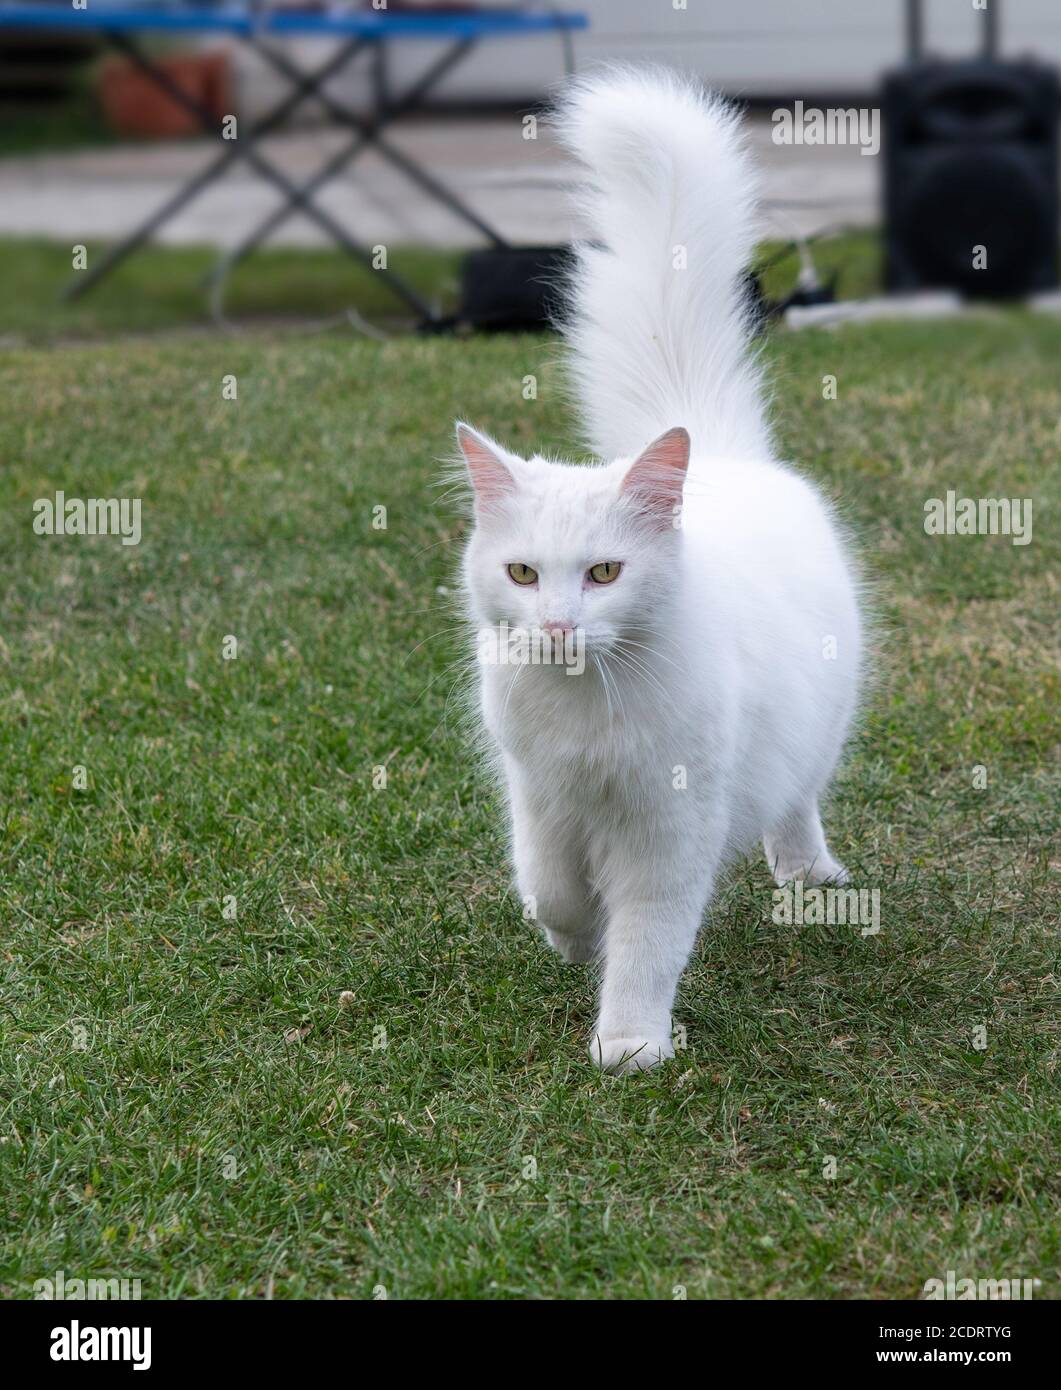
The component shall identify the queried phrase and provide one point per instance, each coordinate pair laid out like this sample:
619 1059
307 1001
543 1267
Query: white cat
707 583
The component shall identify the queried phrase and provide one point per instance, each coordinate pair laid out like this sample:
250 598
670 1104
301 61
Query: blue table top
231 18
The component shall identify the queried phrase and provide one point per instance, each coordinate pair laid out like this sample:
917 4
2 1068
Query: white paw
836 875
573 947
622 1056
822 871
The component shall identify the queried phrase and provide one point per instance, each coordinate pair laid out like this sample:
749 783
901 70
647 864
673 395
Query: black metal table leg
84 282
370 130
333 166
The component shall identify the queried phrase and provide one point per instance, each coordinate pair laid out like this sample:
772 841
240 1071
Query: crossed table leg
368 134
296 197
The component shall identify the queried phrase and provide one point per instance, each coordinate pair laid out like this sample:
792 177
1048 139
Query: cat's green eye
606 572
522 574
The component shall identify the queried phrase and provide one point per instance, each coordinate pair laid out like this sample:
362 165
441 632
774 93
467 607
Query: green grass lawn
184 1098
162 289
277 289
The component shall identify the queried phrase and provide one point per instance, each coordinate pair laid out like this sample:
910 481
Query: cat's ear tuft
490 475
656 477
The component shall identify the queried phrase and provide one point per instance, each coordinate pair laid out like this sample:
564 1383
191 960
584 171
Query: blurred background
91 147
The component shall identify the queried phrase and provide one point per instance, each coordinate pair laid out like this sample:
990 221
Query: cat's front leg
551 874
653 916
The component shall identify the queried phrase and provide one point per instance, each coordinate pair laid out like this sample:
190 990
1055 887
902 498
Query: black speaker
971 160
513 288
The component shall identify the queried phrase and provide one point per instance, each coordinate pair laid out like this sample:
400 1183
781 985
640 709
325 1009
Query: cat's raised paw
823 872
623 1056
574 947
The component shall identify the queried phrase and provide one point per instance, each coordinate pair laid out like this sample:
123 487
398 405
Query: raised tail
658 323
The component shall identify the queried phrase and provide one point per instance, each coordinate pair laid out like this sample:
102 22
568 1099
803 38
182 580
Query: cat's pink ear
656 477
490 475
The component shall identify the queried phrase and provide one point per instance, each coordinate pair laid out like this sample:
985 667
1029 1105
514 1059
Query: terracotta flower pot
134 105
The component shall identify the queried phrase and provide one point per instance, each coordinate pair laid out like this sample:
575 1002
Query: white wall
754 47
757 46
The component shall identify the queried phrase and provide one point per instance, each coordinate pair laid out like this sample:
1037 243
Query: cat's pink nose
557 625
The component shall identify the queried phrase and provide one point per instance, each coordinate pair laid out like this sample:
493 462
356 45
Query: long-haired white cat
707 582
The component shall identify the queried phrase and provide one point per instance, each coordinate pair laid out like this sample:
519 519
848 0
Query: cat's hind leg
796 848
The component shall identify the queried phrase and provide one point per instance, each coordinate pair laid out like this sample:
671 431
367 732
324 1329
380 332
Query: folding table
264 30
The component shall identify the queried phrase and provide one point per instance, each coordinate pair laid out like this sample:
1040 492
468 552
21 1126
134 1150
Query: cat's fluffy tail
657 321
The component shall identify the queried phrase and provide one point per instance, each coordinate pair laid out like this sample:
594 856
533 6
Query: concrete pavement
520 186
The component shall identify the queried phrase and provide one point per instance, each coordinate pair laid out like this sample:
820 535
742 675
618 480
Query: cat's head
592 548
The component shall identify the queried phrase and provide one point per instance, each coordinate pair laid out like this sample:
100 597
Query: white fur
709 653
